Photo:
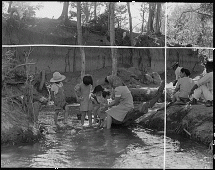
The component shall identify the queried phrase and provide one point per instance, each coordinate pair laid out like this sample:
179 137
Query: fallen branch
187 132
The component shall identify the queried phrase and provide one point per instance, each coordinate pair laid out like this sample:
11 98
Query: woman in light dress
122 103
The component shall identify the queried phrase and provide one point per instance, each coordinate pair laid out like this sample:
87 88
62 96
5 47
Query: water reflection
120 147
85 148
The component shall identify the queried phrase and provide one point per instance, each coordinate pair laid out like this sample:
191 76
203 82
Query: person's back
185 85
126 98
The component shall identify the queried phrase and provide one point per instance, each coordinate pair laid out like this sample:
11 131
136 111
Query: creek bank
15 126
192 121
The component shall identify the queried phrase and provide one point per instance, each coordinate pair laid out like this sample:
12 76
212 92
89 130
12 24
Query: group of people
187 90
96 102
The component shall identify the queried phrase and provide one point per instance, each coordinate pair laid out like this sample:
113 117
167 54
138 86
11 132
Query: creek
120 147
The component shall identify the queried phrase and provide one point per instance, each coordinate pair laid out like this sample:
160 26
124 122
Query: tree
112 39
130 24
22 9
95 16
64 14
143 10
79 30
151 17
120 18
191 23
158 12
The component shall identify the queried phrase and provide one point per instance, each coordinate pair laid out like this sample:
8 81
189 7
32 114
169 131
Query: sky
53 9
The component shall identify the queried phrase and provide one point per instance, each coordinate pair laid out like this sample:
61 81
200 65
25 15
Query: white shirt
207 79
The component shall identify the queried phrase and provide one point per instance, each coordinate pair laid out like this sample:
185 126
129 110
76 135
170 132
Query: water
120 147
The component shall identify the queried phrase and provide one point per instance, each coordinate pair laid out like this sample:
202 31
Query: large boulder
199 123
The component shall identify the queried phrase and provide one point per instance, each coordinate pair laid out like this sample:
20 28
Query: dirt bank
15 126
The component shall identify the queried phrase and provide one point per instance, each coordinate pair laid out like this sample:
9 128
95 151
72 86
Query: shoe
193 102
208 103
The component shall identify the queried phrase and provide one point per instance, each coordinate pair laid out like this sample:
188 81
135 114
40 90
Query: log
141 108
43 73
143 94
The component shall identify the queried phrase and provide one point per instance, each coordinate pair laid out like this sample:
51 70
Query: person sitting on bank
183 86
122 103
204 86
177 70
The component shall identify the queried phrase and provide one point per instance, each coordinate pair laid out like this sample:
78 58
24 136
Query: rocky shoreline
192 121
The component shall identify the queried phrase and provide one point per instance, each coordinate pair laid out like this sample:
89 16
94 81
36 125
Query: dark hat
176 63
98 89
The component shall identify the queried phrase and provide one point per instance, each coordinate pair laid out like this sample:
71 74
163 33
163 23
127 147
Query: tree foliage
191 24
24 8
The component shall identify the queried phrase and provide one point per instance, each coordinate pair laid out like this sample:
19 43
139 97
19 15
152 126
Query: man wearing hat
204 86
57 94
177 69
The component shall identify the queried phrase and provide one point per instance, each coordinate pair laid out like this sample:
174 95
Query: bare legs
66 114
83 115
55 116
109 121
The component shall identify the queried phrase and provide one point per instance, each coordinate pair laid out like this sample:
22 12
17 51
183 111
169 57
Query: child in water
100 99
58 96
83 95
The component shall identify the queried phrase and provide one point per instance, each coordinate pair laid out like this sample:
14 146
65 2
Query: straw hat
57 77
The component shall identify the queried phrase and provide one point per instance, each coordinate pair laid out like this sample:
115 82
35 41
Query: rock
156 78
196 121
135 71
146 79
143 94
199 122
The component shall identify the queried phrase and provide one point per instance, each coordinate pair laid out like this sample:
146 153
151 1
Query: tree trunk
131 34
66 19
43 74
150 18
64 14
79 30
74 56
157 27
112 39
142 22
95 17
130 24
9 7
108 19
86 12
